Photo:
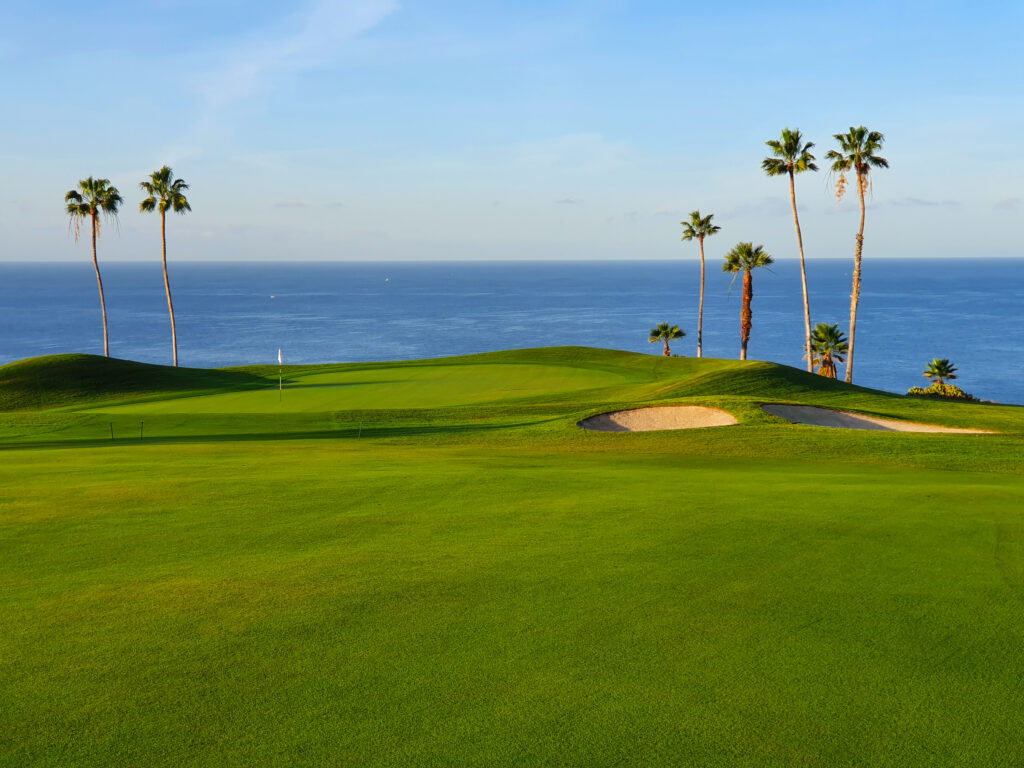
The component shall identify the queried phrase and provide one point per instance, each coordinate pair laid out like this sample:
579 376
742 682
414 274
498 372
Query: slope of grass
559 387
59 380
457 575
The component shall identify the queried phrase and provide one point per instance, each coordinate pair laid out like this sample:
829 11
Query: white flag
279 356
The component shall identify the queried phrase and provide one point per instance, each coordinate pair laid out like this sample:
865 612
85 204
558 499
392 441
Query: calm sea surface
971 311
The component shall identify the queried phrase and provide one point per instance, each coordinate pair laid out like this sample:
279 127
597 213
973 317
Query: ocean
968 310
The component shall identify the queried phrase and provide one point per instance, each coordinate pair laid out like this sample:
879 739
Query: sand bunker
658 418
826 417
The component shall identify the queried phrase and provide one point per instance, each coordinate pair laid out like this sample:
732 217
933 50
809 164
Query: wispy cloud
669 209
917 202
588 152
335 205
318 34
569 201
765 206
1009 204
316 38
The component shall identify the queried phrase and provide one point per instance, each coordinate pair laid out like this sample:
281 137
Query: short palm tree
697 228
940 369
92 198
793 156
166 193
665 333
857 153
828 347
745 257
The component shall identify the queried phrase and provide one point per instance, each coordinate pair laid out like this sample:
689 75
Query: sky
415 130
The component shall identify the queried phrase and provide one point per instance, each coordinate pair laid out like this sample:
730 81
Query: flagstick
280 376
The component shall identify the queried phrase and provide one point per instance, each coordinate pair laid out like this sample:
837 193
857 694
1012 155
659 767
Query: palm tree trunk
700 306
855 294
803 276
746 320
167 285
667 353
828 366
99 282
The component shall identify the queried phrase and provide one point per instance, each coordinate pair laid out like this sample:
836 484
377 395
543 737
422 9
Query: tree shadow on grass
337 384
369 431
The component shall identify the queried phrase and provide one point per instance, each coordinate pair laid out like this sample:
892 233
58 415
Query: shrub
942 392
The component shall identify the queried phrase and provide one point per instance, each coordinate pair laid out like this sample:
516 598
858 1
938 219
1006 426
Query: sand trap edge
818 416
658 418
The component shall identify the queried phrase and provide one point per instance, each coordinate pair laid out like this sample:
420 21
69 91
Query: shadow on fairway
366 432
332 384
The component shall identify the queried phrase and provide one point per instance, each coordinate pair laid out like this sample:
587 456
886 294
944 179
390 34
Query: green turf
430 564
396 386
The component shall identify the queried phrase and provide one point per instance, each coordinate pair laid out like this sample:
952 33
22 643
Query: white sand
826 417
658 418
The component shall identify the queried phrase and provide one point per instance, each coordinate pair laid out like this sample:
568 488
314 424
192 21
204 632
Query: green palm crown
698 227
166 193
664 332
791 155
940 369
857 152
745 257
92 198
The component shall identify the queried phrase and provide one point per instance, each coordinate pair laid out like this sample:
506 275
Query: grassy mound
83 397
58 380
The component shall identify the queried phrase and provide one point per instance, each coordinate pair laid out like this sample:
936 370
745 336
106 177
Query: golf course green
429 563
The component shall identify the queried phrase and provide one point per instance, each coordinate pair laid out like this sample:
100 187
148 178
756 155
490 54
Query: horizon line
656 259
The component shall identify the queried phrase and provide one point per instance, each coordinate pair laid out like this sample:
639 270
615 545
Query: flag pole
280 375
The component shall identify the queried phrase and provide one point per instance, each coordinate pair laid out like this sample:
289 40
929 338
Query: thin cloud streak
917 202
326 26
259 66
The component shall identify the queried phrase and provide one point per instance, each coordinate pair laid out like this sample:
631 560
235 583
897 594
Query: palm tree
165 193
697 228
93 197
665 333
939 369
857 152
792 156
744 258
828 347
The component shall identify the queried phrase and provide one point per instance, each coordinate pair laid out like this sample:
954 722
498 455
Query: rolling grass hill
61 380
428 563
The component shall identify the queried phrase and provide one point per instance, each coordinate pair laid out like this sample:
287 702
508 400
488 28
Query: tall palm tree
697 228
165 193
792 156
939 369
92 198
745 258
666 333
856 152
828 347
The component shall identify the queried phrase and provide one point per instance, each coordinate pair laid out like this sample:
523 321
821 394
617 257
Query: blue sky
377 129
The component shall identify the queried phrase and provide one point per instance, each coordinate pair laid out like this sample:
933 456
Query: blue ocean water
970 311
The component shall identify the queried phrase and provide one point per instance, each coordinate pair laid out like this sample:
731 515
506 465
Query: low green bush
942 391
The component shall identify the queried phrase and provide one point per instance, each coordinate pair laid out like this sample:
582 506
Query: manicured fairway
472 580
391 387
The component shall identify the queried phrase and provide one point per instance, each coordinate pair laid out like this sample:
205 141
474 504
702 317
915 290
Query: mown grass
476 581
